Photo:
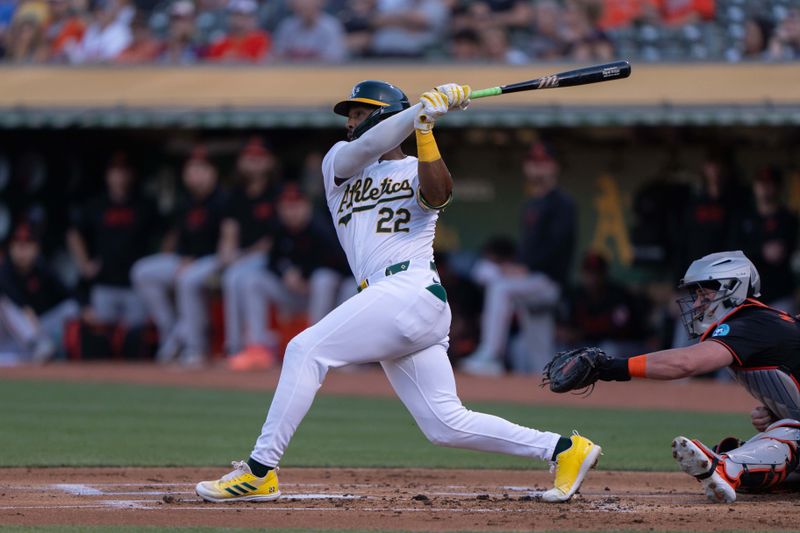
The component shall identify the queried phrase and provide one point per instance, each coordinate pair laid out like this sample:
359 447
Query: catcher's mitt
575 369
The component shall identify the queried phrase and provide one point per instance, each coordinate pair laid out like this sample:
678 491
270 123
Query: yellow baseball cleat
240 485
571 466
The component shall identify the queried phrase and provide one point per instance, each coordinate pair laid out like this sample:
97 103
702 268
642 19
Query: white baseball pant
234 294
398 322
153 278
263 288
506 294
111 304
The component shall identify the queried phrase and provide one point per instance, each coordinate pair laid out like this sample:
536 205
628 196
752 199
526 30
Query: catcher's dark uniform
765 345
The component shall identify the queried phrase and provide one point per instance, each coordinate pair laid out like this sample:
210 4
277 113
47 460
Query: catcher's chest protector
774 388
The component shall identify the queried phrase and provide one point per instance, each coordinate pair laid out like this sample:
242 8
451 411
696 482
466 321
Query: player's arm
375 142
701 358
435 183
581 368
228 246
80 253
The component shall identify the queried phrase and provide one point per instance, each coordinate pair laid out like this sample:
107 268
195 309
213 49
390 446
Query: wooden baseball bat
595 74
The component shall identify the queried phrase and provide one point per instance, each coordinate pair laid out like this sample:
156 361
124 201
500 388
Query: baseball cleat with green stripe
240 485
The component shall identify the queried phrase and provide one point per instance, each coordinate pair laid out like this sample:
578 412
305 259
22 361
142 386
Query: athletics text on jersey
377 217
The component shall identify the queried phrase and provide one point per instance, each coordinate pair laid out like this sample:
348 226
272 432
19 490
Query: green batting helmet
386 98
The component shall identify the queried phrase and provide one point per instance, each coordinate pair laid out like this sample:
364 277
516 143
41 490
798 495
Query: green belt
394 269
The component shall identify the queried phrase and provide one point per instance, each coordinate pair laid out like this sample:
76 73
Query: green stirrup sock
563 444
257 468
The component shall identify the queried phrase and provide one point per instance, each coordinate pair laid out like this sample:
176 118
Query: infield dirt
394 499
478 500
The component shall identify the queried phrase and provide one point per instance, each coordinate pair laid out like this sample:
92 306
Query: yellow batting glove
457 95
434 105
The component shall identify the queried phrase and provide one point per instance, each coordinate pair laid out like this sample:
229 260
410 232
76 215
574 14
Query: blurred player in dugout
216 235
530 285
185 264
305 270
106 237
34 304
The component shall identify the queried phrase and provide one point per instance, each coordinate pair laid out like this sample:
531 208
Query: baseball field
103 447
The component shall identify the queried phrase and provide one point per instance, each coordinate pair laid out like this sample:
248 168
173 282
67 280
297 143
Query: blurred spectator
180 47
306 270
497 49
248 226
621 13
310 34
585 40
407 28
212 20
767 234
25 41
185 265
532 284
505 15
107 236
356 18
64 26
107 35
7 8
465 45
785 43
144 47
754 45
244 41
601 312
488 44
34 304
547 42
681 12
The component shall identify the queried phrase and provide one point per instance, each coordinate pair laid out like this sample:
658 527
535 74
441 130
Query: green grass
57 424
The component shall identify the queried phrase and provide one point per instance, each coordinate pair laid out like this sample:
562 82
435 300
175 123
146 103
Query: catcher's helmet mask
716 284
385 98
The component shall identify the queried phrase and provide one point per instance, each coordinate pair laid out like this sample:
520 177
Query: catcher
759 344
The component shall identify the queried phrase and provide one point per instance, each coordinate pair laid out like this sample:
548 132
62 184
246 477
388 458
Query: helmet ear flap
372 119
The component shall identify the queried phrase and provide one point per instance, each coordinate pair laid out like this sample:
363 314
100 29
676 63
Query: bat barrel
615 70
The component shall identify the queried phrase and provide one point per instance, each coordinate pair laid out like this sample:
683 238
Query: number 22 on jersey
392 221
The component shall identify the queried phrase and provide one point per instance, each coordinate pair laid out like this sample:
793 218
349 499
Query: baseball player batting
385 205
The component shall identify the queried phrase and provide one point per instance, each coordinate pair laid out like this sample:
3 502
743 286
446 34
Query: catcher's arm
677 363
582 368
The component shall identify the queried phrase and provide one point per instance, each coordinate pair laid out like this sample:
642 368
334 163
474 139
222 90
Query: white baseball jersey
377 216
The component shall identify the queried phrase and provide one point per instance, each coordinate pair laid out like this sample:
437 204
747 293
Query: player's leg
425 383
22 332
358 331
501 297
190 289
152 277
323 288
106 303
53 321
134 313
759 464
261 289
232 291
391 318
